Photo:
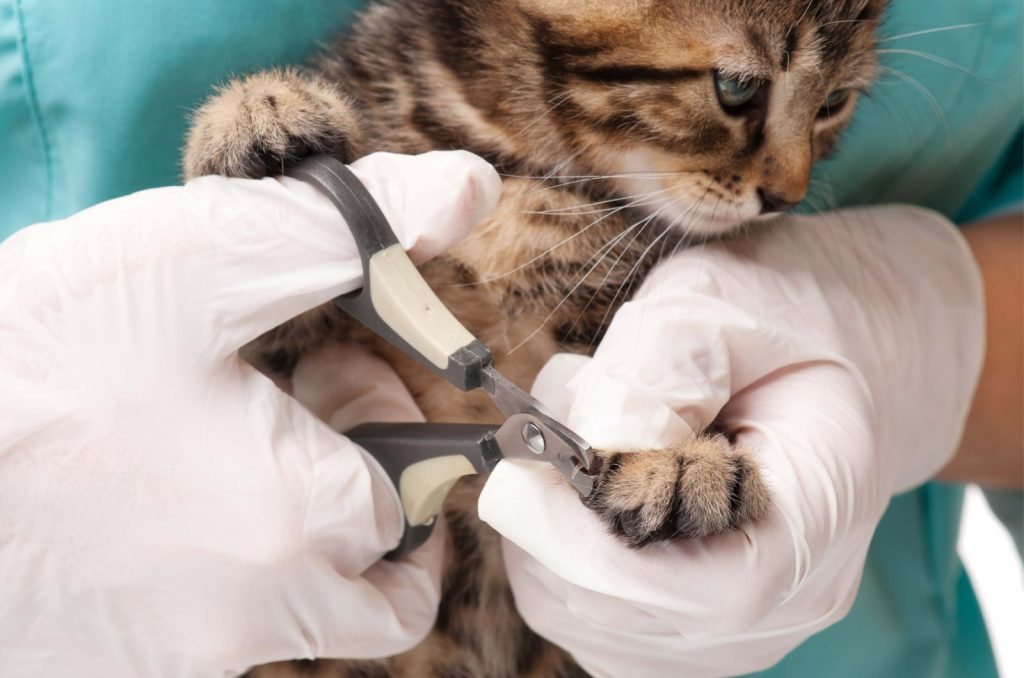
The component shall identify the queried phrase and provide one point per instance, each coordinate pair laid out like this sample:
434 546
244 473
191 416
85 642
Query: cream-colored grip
405 302
424 485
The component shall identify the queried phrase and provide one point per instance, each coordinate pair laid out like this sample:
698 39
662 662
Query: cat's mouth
698 203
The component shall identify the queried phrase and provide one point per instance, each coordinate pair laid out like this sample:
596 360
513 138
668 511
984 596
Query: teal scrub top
94 99
942 129
95 96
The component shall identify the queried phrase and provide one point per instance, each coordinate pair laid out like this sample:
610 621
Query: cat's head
709 112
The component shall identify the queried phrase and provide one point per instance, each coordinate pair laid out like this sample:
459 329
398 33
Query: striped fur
602 114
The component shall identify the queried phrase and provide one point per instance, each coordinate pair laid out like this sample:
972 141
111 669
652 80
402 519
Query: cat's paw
699 488
260 125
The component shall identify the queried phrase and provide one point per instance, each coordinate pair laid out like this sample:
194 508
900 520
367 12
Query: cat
623 130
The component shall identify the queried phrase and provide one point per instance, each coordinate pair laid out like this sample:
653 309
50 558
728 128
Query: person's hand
842 350
164 508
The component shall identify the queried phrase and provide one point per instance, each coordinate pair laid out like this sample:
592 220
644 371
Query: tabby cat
624 130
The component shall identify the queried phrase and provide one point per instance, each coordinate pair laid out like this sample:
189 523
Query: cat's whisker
818 205
553 171
846 21
563 212
646 173
570 208
653 217
928 31
739 216
626 286
820 77
807 8
679 242
573 210
687 226
916 84
547 251
550 172
600 177
575 287
544 186
606 248
678 220
643 202
652 199
837 251
824 207
558 168
822 189
935 59
558 101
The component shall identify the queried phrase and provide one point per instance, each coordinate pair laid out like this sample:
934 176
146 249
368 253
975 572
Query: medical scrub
94 100
95 96
942 129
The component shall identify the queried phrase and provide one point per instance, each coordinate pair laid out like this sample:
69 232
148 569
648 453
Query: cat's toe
635 492
260 125
718 488
697 489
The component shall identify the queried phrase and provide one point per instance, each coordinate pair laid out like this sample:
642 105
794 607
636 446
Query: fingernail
485 185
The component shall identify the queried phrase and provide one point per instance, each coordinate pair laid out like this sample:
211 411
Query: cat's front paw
260 125
696 489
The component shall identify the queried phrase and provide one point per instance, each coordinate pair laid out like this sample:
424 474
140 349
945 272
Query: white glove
843 350
164 508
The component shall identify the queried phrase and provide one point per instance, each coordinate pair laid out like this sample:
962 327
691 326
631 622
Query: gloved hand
164 508
842 350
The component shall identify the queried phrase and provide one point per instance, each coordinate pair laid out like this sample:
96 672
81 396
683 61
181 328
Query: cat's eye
733 92
834 103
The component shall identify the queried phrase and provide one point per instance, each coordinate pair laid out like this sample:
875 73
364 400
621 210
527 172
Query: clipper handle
395 302
423 462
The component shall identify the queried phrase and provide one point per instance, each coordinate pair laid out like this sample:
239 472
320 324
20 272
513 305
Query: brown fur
604 117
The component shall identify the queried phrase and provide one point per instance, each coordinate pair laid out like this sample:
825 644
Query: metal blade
531 432
509 398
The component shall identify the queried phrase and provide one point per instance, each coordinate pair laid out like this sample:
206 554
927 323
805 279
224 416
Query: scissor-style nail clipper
425 460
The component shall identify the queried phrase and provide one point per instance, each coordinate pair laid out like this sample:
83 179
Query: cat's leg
696 489
258 125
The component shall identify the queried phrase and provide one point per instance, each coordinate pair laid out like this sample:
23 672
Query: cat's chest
547 263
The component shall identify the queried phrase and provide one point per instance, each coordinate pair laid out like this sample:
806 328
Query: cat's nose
774 202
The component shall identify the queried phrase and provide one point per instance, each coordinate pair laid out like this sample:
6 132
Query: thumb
307 608
290 250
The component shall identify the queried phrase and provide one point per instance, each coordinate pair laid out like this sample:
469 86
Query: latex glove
842 349
164 508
